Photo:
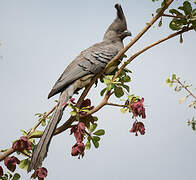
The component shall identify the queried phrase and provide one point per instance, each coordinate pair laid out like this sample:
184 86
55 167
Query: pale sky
40 38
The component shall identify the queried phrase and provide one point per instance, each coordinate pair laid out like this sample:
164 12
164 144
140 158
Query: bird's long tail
41 149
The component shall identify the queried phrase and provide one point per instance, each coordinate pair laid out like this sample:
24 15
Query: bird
77 75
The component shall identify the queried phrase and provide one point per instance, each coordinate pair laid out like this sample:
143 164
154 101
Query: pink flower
138 108
78 149
22 144
10 163
40 173
138 126
78 131
1 171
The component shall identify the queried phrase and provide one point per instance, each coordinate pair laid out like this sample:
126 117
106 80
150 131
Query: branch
40 121
148 47
11 150
118 105
119 55
154 19
169 15
185 88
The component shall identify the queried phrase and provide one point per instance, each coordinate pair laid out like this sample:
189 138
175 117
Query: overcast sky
41 37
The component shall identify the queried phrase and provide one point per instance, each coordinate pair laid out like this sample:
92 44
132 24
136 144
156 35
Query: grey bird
78 74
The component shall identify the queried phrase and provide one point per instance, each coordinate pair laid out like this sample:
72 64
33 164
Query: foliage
178 85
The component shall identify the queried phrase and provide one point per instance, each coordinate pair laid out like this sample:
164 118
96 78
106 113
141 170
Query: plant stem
190 93
168 15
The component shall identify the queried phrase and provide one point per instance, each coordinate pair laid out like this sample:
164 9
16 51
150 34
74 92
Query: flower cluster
138 108
10 162
78 131
22 144
138 126
40 173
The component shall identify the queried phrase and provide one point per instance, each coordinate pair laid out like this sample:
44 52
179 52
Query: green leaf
194 12
92 127
118 92
173 76
39 114
37 132
126 87
73 113
176 24
88 145
10 175
127 70
106 81
158 10
167 81
16 176
43 123
109 87
176 12
99 132
24 132
187 8
123 110
171 85
126 79
95 142
24 164
103 91
96 138
95 118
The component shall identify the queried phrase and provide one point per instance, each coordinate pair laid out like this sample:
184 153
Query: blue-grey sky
40 38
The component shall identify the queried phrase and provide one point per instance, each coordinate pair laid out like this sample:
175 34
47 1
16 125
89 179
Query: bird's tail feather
41 149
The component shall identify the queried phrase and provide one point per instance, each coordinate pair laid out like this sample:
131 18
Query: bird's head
118 29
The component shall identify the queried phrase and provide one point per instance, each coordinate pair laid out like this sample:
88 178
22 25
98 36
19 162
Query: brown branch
185 88
154 19
11 150
148 47
169 15
118 105
6 153
40 121
119 55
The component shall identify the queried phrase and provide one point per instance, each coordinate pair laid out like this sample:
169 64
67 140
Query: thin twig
179 17
40 121
11 150
148 47
118 105
154 19
185 88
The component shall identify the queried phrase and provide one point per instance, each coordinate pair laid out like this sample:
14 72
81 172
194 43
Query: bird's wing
89 61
